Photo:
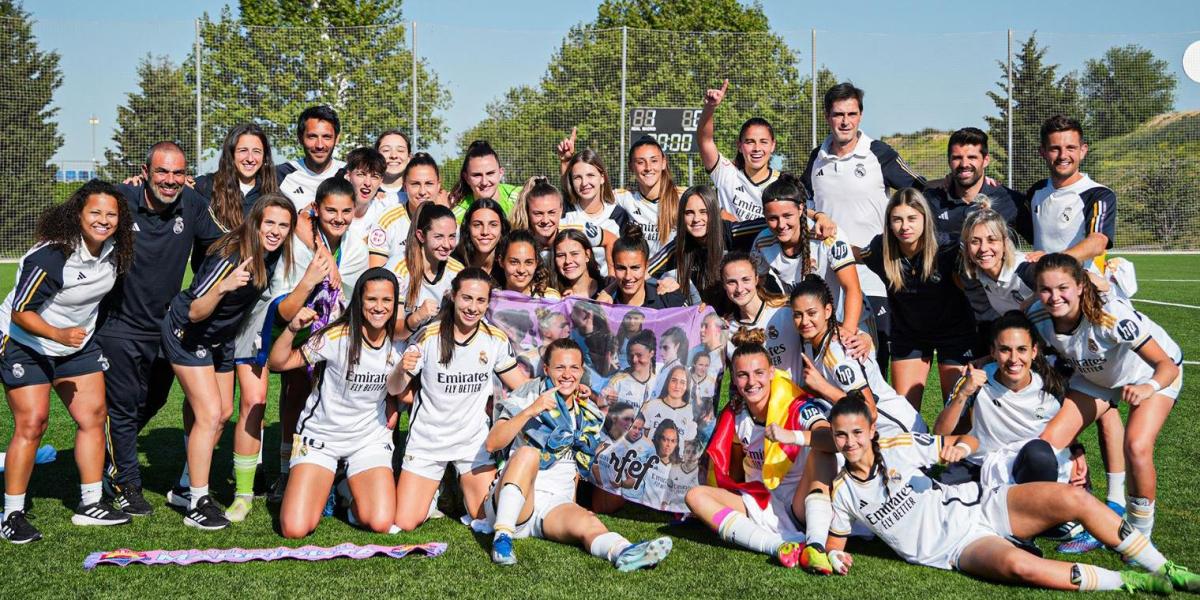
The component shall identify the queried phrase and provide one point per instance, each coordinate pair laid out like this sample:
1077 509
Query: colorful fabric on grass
125 557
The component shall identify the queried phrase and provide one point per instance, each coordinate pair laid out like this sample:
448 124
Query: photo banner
655 375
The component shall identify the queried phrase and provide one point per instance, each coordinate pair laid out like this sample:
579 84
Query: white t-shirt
826 257
1105 353
895 414
625 459
449 418
656 411
629 389
593 227
1063 217
347 405
361 227
388 236
643 212
782 340
1011 288
921 520
300 184
1001 416
559 477
739 196
751 435
430 290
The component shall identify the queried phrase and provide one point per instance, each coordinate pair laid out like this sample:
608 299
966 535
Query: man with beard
967 153
169 220
317 129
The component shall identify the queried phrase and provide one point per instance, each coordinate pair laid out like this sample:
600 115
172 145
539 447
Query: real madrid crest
18 370
178 229
483 357
860 170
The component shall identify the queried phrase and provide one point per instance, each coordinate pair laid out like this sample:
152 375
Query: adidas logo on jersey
820 173
298 190
136 228
862 504
80 277
945 216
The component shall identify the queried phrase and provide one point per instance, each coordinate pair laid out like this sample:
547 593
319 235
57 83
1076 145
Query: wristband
1154 384
965 446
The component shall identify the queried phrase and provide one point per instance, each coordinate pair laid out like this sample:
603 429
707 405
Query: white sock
185 479
89 493
197 494
818 514
1116 488
1136 547
736 528
1091 578
509 503
285 457
261 434
608 546
1140 513
13 504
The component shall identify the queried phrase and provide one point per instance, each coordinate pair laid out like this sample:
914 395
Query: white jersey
825 258
1063 217
751 435
346 405
433 290
782 340
895 414
559 477
629 390
65 291
625 460
449 418
739 196
658 486
610 218
300 184
1012 288
351 263
656 411
1001 417
388 236
644 213
361 227
703 389
682 480
920 519
1105 353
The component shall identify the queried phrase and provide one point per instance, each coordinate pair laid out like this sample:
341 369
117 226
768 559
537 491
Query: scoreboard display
674 128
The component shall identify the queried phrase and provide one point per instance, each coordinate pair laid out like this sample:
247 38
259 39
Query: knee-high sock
509 503
736 528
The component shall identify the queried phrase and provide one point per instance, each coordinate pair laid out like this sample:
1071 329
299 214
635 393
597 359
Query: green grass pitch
700 565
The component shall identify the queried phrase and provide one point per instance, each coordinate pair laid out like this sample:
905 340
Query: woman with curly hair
46 323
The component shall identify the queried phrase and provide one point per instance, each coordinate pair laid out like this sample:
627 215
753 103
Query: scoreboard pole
624 71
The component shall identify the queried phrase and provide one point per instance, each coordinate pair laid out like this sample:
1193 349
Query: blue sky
925 65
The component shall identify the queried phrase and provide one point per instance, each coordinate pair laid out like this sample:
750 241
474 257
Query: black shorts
21 365
956 352
181 351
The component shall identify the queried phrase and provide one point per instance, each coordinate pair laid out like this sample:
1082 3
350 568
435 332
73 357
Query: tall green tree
1123 89
28 79
286 55
162 108
669 65
1038 93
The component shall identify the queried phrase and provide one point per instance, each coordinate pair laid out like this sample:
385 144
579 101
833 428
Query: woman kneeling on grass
554 429
884 487
347 416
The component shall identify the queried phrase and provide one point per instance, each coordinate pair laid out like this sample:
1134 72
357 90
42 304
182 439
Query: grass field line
1173 280
1165 303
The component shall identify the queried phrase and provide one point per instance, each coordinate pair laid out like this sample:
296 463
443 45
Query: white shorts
432 468
375 452
992 520
777 516
543 504
1113 395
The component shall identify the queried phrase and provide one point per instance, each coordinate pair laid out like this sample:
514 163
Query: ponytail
789 189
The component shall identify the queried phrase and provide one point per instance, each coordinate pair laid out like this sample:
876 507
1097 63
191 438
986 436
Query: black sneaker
179 497
275 495
99 513
131 501
207 515
16 528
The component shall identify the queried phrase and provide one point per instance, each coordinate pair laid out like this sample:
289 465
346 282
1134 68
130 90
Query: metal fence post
413 131
813 55
199 102
621 120
1011 156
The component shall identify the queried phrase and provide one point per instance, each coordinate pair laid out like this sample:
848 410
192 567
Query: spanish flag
783 408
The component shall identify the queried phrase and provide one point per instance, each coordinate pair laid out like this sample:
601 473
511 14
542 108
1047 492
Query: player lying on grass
553 428
884 486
